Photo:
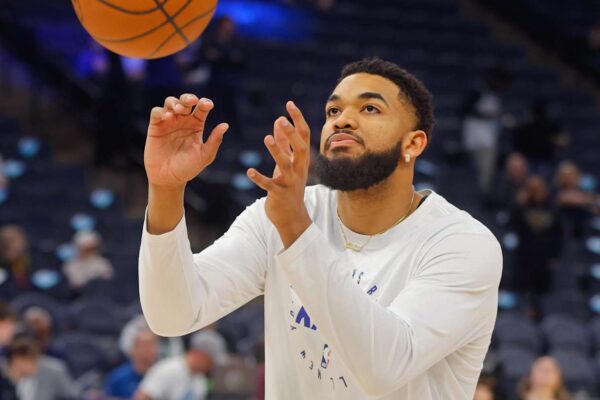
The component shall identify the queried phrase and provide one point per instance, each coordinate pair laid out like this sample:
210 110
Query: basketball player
372 290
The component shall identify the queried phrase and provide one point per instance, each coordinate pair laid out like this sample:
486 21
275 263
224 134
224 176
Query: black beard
356 173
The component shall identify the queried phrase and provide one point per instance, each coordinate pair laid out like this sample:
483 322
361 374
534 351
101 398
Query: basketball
144 28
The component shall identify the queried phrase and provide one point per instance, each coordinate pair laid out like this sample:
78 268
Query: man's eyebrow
372 95
365 96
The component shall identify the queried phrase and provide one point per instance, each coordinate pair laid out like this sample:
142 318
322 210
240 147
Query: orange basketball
144 28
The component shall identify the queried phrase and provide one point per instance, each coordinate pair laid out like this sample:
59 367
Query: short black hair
23 346
410 86
6 312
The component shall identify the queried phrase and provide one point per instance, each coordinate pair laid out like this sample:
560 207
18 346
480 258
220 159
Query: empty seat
81 353
566 333
514 329
97 316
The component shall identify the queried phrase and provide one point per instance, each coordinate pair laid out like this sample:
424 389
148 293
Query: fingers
299 121
159 114
181 106
299 146
202 109
187 104
211 147
260 180
282 141
282 159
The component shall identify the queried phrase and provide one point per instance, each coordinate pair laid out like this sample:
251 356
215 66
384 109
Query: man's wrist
165 208
290 232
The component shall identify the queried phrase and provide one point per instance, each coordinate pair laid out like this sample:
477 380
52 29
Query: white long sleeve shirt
408 317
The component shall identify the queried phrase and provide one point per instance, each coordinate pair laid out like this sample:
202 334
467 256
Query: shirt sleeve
154 384
450 299
181 292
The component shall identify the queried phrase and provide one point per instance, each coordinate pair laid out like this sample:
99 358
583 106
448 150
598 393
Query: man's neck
378 208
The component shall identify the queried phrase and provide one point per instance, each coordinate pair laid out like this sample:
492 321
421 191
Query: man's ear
415 143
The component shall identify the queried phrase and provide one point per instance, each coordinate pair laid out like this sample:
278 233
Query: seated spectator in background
538 138
37 377
544 382
486 388
15 259
89 264
8 327
185 376
22 363
575 204
38 322
140 346
483 391
52 381
539 229
511 182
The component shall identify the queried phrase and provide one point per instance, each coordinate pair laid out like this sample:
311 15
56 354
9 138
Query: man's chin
340 152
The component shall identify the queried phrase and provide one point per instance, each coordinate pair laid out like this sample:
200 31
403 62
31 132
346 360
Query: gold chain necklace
357 248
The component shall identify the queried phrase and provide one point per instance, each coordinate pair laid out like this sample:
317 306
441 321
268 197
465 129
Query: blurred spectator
38 377
511 182
140 346
538 138
224 53
482 127
22 357
576 204
483 391
8 326
38 322
89 264
185 376
539 230
52 381
14 256
544 382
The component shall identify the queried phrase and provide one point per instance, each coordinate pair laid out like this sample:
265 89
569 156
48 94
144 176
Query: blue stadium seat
96 315
81 353
514 329
515 361
566 333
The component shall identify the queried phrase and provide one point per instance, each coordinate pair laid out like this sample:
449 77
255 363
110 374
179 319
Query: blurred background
516 88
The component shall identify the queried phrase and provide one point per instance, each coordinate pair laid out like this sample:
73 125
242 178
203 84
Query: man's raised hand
175 151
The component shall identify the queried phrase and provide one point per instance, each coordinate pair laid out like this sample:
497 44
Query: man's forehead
353 86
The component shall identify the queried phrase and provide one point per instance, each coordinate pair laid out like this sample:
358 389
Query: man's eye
332 111
371 109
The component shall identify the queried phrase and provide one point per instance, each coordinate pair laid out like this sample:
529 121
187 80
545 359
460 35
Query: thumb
212 144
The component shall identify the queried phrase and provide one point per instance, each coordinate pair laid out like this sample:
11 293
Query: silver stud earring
407 158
